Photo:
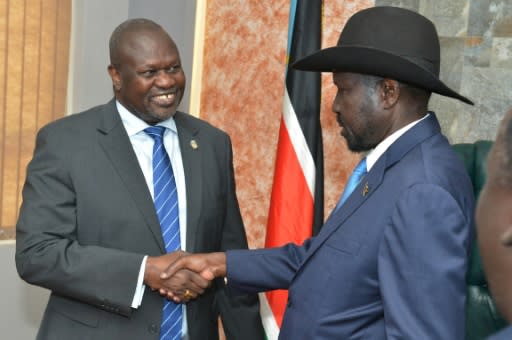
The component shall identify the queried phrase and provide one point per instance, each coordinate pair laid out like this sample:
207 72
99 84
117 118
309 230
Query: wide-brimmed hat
388 42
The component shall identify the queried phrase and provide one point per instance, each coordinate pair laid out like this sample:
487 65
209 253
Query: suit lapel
191 153
369 184
361 193
116 144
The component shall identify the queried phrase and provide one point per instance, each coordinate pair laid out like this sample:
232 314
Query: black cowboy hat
388 42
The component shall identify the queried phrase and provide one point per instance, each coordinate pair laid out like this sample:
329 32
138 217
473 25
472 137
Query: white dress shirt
374 155
143 146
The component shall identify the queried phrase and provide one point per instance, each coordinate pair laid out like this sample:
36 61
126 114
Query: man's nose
165 79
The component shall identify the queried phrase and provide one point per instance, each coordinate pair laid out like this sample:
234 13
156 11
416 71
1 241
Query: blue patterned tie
166 205
353 181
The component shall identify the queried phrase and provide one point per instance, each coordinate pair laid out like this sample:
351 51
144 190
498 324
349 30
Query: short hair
502 153
128 26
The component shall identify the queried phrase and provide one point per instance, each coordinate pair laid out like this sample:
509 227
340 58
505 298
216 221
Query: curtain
34 55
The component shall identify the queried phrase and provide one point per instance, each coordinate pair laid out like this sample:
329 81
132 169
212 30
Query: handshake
181 276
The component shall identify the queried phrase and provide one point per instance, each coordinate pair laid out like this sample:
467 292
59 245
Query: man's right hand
183 285
208 266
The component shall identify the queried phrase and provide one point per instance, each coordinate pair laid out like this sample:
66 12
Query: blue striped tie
353 181
166 205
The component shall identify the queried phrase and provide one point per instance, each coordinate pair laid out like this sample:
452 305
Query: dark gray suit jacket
87 220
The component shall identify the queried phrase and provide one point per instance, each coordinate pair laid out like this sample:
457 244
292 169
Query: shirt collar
379 150
135 125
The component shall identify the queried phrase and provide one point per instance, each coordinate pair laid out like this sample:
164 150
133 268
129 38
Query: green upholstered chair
482 318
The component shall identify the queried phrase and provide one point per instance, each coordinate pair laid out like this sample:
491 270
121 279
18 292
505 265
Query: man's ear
115 76
390 92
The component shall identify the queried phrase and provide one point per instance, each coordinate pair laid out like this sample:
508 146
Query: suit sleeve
47 251
252 271
422 265
240 314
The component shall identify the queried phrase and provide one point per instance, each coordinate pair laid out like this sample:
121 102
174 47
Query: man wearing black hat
391 259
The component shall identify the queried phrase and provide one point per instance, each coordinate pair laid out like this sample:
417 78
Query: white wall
89 85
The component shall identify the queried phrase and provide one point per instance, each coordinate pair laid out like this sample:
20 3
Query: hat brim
375 62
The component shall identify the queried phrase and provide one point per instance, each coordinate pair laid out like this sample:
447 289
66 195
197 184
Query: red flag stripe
296 205
291 203
300 145
292 200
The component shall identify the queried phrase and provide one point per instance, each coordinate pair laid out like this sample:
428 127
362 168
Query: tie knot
353 181
155 132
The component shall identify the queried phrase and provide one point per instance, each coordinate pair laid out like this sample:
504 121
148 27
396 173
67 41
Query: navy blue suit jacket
390 263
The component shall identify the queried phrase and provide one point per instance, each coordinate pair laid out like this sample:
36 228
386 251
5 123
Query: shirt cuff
139 289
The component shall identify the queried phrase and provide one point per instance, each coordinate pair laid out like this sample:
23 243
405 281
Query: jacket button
153 328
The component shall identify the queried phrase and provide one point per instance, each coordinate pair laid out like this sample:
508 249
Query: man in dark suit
494 223
390 261
88 229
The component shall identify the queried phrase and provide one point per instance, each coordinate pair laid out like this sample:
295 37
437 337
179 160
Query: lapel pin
194 144
366 189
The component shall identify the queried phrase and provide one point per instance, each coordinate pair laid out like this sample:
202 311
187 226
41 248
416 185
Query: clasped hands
182 276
